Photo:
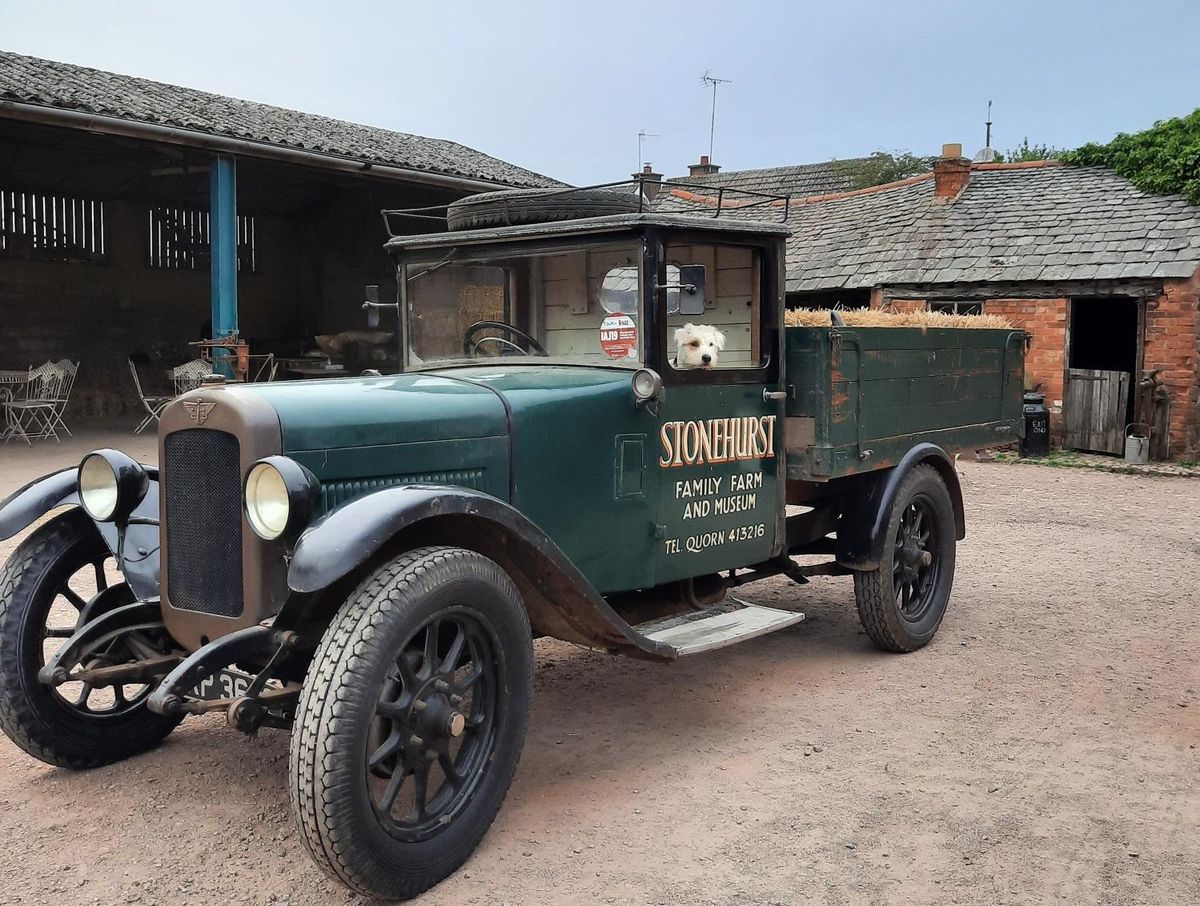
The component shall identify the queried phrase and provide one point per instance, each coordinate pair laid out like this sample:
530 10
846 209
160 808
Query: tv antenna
642 136
709 79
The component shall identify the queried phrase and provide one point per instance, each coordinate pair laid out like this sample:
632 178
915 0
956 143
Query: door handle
769 395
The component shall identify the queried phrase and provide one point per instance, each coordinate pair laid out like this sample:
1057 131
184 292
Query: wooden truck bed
861 397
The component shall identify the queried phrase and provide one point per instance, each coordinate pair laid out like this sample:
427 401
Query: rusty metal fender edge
862 529
561 601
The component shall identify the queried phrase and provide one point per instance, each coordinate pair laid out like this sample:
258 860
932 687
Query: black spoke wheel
434 726
901 604
56 580
411 721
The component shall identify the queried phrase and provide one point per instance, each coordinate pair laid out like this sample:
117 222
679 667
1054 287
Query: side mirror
372 306
691 290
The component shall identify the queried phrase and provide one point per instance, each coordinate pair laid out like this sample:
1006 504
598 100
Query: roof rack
645 201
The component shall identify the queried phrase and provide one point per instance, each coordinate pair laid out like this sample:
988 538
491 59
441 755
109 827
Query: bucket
1137 443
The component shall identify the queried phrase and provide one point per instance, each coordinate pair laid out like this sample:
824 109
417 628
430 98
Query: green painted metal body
873 393
564 444
609 481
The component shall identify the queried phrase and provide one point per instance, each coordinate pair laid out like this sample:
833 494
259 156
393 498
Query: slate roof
1013 223
64 85
798 181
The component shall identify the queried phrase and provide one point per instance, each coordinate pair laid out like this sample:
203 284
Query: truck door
719 451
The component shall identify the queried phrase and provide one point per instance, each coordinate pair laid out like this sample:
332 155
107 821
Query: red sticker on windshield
619 337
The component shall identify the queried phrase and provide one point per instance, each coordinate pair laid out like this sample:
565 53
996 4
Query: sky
563 88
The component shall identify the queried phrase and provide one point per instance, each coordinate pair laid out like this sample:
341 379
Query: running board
717 627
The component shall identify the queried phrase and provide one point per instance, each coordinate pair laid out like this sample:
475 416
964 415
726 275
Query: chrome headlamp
280 497
647 385
111 485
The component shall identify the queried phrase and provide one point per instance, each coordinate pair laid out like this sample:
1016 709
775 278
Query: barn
138 217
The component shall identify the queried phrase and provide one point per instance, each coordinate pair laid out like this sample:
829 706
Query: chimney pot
951 173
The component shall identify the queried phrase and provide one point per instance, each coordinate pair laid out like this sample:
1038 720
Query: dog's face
698 346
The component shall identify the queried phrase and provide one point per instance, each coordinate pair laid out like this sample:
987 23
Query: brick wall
1172 338
1045 363
905 305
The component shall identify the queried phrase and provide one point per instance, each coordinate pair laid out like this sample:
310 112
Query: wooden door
1095 409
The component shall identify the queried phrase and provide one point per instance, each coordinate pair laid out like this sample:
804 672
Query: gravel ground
1042 749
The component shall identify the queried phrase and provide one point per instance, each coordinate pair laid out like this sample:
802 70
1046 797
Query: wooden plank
1094 406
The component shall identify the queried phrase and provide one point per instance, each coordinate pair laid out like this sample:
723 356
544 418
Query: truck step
718 627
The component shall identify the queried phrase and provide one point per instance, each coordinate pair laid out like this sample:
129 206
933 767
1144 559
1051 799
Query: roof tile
66 86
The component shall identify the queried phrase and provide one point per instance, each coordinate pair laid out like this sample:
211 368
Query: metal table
9 380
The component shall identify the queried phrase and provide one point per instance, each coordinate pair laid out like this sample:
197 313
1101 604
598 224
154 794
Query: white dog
698 346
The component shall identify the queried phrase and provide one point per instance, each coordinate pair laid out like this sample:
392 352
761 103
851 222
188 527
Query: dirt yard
1042 749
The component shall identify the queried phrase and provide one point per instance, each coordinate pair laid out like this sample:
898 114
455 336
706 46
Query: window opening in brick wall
181 239
55 227
957 307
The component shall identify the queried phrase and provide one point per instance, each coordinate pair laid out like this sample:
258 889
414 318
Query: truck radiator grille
202 484
335 493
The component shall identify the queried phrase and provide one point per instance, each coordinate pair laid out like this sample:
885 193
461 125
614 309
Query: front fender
561 601
135 545
26 505
862 529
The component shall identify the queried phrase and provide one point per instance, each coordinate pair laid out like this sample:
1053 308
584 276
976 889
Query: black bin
1036 441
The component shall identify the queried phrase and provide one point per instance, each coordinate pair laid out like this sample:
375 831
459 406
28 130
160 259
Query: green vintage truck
601 432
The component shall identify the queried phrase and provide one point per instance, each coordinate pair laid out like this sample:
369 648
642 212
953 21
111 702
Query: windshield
580 305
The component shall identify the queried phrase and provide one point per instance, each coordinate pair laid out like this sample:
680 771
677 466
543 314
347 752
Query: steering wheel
471 345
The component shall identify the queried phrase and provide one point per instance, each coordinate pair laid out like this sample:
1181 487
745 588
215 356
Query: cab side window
727 334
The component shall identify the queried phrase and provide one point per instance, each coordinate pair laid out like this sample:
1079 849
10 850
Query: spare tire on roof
515 206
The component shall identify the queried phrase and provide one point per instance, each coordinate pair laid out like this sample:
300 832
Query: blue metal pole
223 241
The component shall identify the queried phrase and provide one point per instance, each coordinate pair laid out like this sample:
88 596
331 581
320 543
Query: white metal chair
33 409
70 371
189 375
153 404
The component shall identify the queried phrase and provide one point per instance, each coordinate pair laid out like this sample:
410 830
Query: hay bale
873 317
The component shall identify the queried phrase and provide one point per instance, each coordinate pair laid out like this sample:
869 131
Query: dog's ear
719 339
681 333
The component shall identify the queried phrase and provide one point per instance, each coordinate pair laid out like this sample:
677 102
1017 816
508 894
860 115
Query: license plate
223 684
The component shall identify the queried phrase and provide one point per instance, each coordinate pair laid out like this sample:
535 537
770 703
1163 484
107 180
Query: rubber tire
516 206
329 799
874 592
30 714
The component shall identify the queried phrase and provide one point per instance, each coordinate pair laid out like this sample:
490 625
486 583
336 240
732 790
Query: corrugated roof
799 181
1018 223
66 86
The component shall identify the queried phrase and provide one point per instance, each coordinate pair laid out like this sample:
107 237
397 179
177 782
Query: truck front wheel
901 604
411 721
52 580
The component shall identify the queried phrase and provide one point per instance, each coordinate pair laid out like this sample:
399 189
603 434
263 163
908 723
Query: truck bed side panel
863 397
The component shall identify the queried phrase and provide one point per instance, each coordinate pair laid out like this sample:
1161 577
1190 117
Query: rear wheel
411 721
901 604
59 577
